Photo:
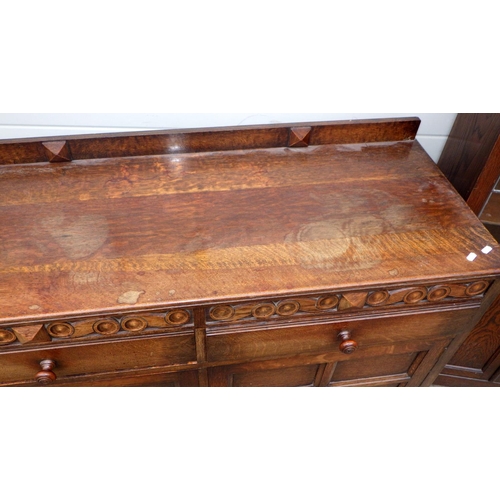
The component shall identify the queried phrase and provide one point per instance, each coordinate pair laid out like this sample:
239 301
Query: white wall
433 132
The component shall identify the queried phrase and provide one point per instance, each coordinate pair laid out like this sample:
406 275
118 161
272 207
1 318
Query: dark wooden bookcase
471 161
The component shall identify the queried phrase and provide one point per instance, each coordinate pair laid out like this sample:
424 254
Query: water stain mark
78 237
131 297
84 278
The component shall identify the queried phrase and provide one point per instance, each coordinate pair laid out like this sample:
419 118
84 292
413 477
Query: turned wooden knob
347 346
46 376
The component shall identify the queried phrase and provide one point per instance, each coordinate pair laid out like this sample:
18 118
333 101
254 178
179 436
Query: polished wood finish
105 237
176 142
276 255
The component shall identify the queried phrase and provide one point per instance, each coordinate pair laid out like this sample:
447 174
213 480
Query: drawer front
96 358
322 338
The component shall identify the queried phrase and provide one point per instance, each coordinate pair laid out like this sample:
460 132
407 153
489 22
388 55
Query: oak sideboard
308 254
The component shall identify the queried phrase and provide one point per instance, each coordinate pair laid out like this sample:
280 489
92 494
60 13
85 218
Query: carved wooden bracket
31 333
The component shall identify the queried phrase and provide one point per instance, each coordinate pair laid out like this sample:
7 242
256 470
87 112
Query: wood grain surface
122 144
138 232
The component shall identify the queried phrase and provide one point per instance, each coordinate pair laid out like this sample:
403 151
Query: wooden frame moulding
85 147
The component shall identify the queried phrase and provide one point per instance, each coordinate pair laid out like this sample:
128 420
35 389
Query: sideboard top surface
207 224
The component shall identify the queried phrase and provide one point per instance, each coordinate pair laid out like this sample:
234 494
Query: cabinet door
266 374
400 364
477 362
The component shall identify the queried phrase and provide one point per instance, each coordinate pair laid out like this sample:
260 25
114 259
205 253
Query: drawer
322 338
99 357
